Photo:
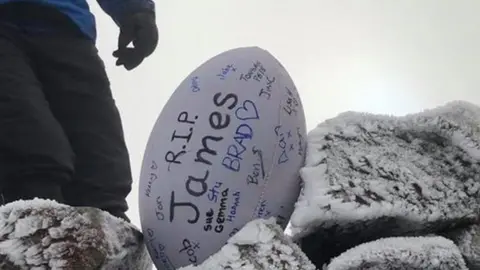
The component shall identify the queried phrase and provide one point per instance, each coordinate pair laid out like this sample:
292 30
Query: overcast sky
379 56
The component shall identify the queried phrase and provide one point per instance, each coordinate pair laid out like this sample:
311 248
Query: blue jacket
79 11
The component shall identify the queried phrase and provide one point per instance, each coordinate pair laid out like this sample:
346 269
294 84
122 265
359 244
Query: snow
260 244
42 234
468 241
371 176
412 253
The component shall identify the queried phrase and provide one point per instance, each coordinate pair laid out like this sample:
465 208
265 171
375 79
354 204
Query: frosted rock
412 253
42 234
259 245
468 241
373 176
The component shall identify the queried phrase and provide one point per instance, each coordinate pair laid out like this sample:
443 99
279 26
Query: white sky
378 56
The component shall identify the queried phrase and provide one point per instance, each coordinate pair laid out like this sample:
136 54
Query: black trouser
61 135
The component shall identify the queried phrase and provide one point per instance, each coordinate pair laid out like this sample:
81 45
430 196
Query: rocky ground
379 192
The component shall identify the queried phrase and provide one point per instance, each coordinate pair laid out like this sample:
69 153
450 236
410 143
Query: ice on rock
42 234
259 245
468 241
373 176
412 253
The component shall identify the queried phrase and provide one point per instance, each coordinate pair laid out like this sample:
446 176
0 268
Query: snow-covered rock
373 176
379 192
468 241
260 245
42 234
412 253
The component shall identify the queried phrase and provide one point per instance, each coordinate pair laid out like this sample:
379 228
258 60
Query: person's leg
35 155
77 87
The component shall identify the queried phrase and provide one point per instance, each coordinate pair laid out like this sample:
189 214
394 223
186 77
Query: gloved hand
139 28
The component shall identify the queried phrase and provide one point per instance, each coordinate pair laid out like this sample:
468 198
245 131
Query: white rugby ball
226 149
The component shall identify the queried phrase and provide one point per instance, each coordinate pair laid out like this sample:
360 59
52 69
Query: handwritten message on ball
226 149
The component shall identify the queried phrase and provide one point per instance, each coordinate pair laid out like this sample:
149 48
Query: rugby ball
226 149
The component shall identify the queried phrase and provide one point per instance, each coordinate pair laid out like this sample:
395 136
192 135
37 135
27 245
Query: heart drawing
247 111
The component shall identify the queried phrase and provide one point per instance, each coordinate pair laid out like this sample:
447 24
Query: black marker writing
291 104
174 156
267 90
199 183
189 248
258 172
183 118
221 215
261 209
284 143
205 149
233 232
222 212
159 209
301 147
197 186
158 251
257 71
209 219
151 178
184 137
174 204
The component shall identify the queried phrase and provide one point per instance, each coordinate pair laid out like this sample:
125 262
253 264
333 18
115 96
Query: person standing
61 136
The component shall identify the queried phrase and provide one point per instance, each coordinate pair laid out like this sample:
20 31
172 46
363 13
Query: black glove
139 28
